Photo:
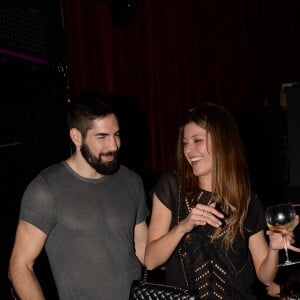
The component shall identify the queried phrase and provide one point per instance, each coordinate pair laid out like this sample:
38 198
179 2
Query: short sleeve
166 190
37 206
255 220
142 209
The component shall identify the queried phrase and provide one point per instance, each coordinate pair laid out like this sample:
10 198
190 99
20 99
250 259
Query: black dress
208 269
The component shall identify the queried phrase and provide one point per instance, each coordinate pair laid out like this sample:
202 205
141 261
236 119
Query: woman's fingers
206 216
210 209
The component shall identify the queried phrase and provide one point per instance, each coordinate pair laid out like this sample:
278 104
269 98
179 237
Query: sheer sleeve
37 206
255 221
166 190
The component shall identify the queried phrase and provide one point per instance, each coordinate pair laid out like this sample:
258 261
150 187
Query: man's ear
76 136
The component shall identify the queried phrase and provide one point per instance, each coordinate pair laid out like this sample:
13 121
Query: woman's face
198 152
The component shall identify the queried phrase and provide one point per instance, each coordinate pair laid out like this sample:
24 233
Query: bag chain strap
144 280
179 249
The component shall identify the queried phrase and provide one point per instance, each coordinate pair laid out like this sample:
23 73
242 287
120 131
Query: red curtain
174 54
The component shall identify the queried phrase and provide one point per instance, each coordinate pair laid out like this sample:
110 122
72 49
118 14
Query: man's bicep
141 231
140 239
29 242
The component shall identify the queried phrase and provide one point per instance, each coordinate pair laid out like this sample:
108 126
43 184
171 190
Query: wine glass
282 217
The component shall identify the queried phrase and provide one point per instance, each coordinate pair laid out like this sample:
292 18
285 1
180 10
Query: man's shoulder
55 168
126 170
128 173
52 172
44 179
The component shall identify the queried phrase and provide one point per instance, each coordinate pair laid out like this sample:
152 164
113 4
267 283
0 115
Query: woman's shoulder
255 220
170 176
255 202
167 180
166 187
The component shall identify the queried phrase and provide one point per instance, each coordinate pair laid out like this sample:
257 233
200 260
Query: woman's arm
265 258
162 241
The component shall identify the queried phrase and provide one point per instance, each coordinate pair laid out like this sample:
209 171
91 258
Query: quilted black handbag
144 290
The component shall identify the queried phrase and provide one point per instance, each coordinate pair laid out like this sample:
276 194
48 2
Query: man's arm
140 240
29 242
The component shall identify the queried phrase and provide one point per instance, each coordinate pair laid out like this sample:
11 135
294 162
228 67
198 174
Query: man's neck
78 164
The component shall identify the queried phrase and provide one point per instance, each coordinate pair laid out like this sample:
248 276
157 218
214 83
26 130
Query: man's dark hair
86 107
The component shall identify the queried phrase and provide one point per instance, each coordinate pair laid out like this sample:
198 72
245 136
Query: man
88 211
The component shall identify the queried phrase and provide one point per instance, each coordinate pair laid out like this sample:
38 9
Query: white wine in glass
282 217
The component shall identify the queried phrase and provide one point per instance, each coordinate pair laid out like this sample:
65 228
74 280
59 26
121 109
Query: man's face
101 145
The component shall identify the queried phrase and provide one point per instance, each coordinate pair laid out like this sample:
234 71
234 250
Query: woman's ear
76 136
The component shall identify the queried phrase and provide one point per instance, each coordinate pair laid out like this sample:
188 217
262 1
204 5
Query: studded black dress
208 269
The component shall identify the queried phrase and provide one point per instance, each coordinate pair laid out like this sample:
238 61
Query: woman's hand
273 290
202 214
277 240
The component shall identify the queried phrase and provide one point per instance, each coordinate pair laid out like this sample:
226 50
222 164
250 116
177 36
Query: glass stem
286 250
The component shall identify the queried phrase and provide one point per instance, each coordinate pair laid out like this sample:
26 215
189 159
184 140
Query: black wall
293 123
33 110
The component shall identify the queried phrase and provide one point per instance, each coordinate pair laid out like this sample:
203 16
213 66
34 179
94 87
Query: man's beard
103 168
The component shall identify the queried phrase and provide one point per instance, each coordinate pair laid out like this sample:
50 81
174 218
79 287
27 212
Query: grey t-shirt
90 225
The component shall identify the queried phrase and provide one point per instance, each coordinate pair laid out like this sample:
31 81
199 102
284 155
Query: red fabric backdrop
174 54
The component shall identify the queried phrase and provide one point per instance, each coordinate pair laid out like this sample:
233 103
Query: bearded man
88 211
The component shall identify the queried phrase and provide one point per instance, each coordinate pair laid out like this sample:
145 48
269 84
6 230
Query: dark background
160 57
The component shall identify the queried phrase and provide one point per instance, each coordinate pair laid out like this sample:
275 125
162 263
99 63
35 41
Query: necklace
188 204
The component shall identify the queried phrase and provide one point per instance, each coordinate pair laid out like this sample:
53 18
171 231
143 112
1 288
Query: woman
209 233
